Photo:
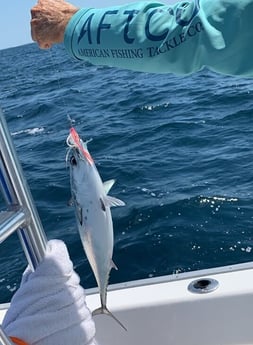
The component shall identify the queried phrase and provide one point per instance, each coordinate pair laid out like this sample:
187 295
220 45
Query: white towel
49 308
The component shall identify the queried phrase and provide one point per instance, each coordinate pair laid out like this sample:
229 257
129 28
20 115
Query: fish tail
104 310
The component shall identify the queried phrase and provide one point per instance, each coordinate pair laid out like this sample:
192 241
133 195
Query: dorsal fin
108 185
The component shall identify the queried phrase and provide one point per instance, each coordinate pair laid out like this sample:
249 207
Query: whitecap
151 107
214 199
30 131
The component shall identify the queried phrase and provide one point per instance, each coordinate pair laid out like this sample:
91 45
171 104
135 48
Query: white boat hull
167 313
163 311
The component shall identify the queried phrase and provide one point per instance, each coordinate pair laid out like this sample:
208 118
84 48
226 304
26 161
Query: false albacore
92 205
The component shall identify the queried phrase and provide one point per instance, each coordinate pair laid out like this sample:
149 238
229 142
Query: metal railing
21 214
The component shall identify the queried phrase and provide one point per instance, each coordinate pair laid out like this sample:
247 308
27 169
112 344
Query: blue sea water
180 149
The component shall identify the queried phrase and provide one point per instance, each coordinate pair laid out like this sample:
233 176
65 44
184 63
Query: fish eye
73 161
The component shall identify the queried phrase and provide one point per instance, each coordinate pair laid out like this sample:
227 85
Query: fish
93 214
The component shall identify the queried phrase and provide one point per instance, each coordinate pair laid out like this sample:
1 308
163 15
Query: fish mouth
73 160
72 156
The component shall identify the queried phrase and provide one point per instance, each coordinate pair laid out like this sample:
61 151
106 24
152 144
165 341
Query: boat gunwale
175 277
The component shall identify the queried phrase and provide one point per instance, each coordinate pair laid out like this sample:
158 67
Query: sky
15 18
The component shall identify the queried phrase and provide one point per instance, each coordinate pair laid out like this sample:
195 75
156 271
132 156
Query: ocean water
180 149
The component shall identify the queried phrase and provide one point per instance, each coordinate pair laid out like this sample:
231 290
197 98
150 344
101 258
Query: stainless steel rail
21 214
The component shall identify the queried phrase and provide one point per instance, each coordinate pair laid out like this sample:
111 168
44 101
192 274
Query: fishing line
60 87
70 119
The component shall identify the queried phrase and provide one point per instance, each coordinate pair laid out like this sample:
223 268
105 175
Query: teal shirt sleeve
153 37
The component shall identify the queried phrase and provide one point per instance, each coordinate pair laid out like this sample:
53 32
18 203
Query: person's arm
181 38
153 37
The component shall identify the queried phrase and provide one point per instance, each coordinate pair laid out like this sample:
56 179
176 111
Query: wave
150 107
30 131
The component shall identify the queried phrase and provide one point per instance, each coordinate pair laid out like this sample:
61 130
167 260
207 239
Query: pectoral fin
102 205
113 202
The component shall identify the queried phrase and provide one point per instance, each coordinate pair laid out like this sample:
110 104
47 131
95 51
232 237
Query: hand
50 307
49 20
